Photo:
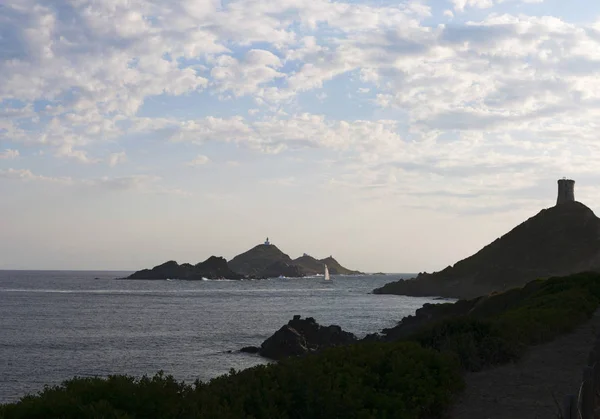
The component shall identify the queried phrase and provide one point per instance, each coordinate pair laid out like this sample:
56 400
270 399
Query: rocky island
212 268
560 240
262 261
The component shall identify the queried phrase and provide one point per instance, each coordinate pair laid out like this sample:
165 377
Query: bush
475 343
499 327
375 380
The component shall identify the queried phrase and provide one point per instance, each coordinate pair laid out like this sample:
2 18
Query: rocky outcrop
257 260
212 268
301 337
312 266
558 241
280 268
267 261
309 264
336 269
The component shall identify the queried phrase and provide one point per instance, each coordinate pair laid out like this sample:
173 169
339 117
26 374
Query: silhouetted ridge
266 260
212 268
336 269
256 260
561 240
262 261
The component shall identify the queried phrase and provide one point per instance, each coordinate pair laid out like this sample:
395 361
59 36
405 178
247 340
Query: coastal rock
280 268
313 266
250 349
300 337
558 241
257 260
336 269
267 261
212 268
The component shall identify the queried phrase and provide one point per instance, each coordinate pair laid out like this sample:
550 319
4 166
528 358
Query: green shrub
499 327
475 343
376 380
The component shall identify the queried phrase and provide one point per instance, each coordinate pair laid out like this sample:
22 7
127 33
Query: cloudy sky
396 135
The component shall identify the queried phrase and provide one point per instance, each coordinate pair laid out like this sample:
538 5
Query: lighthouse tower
566 191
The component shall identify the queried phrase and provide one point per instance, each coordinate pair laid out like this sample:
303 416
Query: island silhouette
262 261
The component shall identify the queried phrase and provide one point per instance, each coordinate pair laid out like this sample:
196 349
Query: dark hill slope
336 269
309 264
212 268
256 260
266 260
561 240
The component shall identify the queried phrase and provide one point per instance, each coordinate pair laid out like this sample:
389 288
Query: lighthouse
267 242
566 191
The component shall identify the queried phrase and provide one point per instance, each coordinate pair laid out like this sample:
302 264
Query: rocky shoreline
305 336
301 337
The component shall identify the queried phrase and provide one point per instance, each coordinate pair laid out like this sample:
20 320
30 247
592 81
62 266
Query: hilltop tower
566 191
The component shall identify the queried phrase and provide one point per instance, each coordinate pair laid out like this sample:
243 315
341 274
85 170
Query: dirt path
524 390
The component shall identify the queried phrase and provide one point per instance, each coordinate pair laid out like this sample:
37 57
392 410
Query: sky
397 136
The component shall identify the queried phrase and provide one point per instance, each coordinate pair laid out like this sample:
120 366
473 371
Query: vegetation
498 328
377 380
414 378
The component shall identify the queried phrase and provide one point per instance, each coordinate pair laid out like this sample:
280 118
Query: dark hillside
561 240
256 260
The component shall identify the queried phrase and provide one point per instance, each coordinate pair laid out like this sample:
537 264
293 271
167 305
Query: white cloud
274 134
460 5
200 160
9 154
243 77
517 88
117 158
66 150
27 175
147 184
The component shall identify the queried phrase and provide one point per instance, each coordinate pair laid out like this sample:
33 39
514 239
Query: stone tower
566 191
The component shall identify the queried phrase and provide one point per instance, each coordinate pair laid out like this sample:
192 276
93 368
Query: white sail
326 273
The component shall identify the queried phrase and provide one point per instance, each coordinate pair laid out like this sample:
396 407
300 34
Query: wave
79 291
162 291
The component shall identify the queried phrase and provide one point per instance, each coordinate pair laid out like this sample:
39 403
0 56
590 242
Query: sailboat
327 273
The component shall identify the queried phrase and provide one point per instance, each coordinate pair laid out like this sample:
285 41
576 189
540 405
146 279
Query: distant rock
212 268
257 260
250 349
267 261
312 266
281 268
301 337
558 241
336 269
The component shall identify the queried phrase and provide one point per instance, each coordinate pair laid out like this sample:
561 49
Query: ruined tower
566 191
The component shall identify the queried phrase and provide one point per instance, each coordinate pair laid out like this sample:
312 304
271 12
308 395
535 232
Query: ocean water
58 324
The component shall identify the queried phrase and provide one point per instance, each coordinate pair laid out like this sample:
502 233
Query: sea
55 325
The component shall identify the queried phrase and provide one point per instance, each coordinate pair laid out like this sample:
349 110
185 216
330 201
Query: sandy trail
525 389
